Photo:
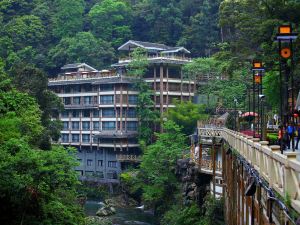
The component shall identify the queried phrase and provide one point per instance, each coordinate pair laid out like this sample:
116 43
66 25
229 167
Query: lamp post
257 70
262 120
235 114
285 38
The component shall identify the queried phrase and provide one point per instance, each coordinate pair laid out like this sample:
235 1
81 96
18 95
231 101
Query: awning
249 114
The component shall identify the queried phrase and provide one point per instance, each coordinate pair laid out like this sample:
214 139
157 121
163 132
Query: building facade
99 117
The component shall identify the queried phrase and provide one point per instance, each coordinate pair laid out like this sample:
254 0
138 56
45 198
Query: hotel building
99 117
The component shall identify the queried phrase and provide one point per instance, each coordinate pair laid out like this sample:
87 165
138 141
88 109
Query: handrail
282 172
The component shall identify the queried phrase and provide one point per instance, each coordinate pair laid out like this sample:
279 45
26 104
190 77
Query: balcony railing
162 57
129 158
81 106
83 76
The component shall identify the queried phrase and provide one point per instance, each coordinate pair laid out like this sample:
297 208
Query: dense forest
49 34
38 186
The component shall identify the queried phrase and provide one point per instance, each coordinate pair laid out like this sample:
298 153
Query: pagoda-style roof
156 47
83 66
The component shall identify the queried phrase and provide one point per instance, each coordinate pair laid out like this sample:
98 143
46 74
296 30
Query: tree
147 116
205 21
83 47
271 83
68 17
111 21
37 187
186 115
25 30
160 21
159 183
33 81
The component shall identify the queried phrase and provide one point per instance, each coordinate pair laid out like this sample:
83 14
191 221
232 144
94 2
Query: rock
106 210
112 209
94 220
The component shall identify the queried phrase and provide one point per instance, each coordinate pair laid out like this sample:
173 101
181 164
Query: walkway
275 172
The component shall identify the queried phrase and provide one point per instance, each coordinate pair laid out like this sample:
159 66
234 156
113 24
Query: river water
124 216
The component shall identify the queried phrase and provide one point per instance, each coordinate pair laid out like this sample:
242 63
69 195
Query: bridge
259 184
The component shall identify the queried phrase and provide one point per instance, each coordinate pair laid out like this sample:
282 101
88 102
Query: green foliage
110 21
179 215
25 30
36 186
271 83
83 47
211 213
93 191
204 20
158 162
146 114
186 115
68 17
33 81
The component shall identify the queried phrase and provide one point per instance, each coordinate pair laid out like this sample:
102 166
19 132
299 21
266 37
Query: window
112 175
95 113
87 88
75 137
131 113
67 89
89 173
107 99
75 125
65 114
76 113
65 138
89 162
112 164
100 163
85 138
86 113
76 89
76 100
96 125
108 113
100 174
95 139
65 125
132 126
132 99
109 125
67 101
87 100
86 125
106 87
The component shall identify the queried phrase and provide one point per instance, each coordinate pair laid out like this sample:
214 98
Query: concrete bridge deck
245 159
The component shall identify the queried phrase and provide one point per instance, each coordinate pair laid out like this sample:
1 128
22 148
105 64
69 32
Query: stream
124 216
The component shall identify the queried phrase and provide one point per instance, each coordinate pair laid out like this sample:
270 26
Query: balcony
81 106
83 76
159 58
128 158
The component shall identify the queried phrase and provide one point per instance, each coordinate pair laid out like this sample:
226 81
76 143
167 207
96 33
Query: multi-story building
100 107
164 74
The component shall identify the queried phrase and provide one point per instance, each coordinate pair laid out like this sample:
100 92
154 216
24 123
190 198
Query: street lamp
235 106
262 124
257 70
285 38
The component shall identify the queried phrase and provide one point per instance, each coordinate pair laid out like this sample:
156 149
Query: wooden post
239 197
200 155
214 166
